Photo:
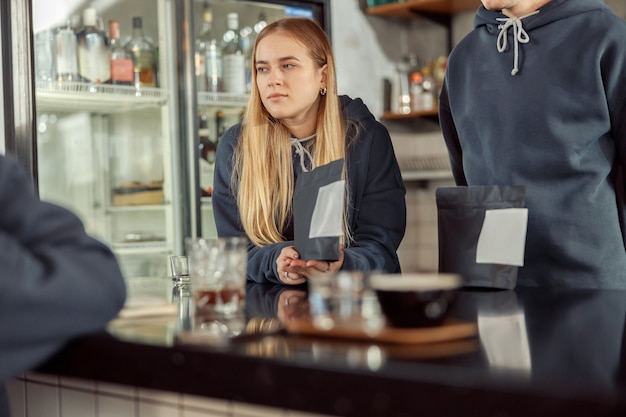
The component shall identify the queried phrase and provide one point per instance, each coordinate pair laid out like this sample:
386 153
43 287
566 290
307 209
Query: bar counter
538 352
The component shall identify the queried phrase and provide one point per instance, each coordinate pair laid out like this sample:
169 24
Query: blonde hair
263 162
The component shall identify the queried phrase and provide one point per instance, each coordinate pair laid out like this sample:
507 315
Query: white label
502 238
327 217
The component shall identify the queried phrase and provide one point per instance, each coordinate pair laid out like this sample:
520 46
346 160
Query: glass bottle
200 52
207 155
214 66
220 127
254 33
207 146
415 88
142 50
44 55
260 24
429 100
234 57
121 59
93 50
66 54
208 56
404 95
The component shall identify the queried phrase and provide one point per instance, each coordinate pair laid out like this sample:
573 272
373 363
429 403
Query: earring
323 91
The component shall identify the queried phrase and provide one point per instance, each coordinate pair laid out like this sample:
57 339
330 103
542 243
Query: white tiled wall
41 395
418 251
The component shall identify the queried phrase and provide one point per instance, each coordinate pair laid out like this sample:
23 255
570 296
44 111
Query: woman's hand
293 270
293 304
322 267
287 272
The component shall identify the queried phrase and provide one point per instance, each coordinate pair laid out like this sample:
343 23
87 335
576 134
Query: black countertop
539 352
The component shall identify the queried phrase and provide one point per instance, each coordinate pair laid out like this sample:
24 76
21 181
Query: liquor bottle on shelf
214 67
121 60
220 127
142 50
404 95
45 55
207 146
93 50
208 55
234 57
246 41
260 24
429 100
416 90
200 52
207 155
66 59
251 36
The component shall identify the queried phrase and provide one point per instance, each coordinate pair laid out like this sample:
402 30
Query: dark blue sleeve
377 213
451 138
261 260
56 282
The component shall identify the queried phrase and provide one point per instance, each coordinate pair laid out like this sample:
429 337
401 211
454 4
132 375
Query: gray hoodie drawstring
519 36
301 151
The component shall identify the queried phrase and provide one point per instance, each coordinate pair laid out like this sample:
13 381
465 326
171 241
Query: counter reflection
558 337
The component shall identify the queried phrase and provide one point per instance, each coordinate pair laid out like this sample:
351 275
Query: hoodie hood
511 33
355 109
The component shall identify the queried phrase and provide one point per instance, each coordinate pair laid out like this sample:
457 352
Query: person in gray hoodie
56 282
295 121
535 95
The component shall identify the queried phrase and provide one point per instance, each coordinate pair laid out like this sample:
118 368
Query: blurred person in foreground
56 282
535 95
295 121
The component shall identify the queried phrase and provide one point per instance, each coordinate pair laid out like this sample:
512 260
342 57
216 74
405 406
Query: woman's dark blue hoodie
376 212
547 110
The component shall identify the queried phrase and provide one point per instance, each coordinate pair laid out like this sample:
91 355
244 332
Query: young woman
296 121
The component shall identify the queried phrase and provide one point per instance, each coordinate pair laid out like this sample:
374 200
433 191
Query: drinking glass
343 299
180 269
218 273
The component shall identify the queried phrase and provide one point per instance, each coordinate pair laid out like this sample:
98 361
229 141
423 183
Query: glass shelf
139 247
101 98
139 208
410 115
222 99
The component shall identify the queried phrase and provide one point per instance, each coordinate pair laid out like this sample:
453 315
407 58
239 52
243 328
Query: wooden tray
450 330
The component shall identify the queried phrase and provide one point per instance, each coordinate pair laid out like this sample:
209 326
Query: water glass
336 299
218 273
180 269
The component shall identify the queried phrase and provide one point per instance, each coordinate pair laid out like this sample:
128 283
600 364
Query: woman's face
288 80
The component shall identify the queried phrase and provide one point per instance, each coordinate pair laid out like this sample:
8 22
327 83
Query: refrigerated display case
125 158
105 150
